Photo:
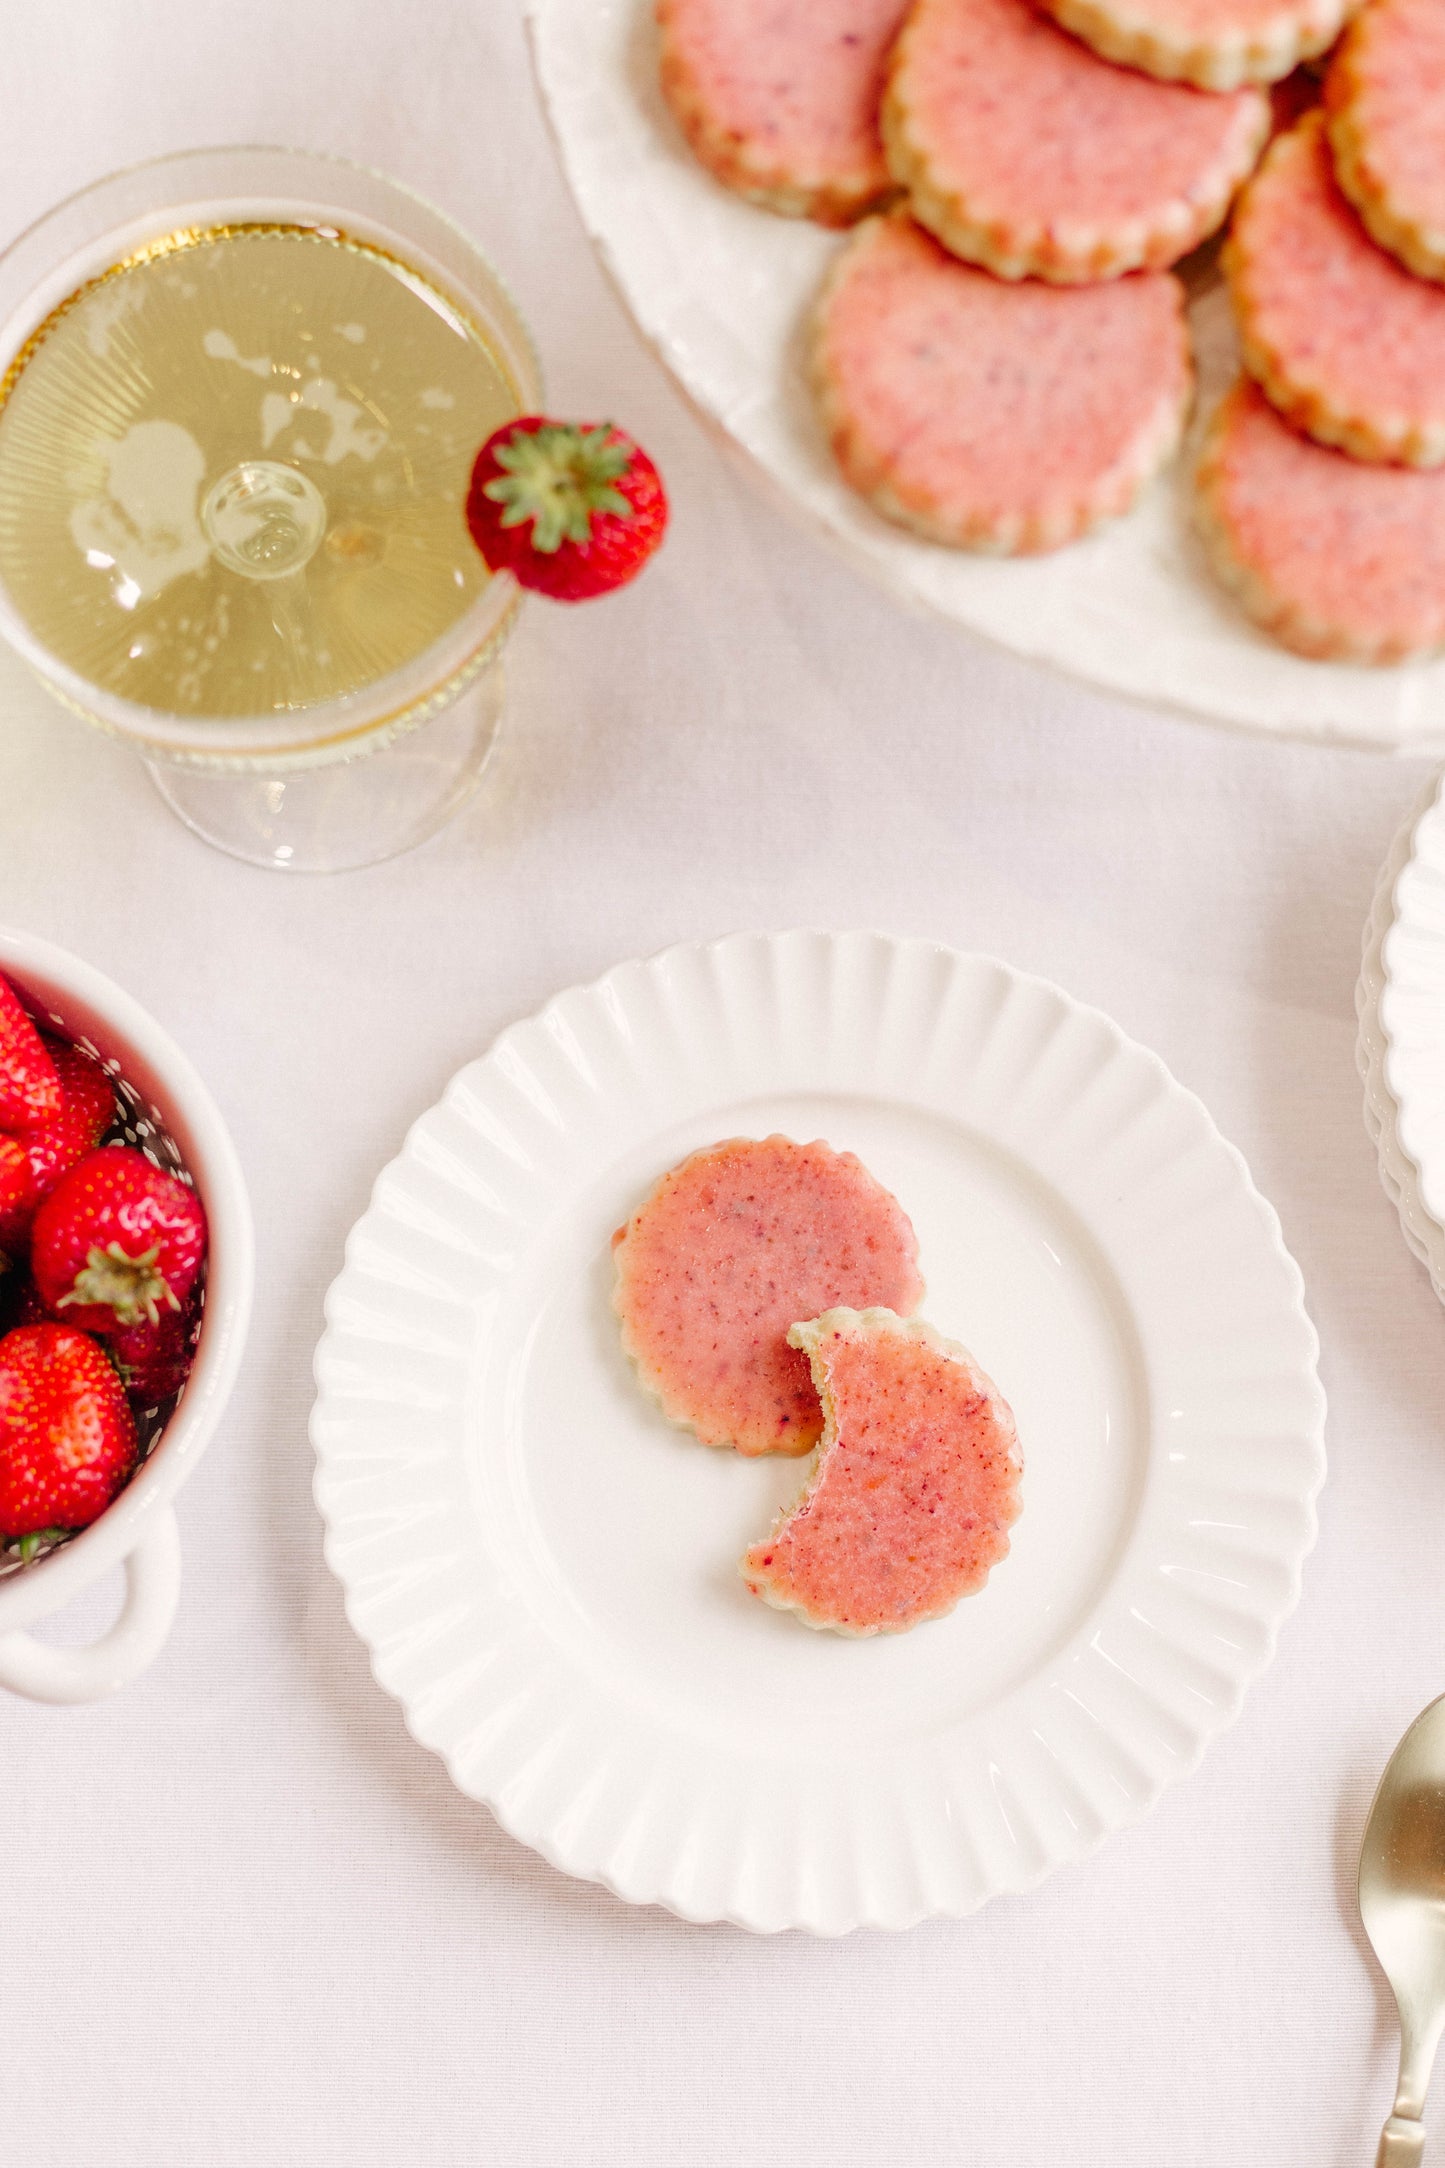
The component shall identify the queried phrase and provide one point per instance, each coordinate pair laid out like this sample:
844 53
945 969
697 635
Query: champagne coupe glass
240 394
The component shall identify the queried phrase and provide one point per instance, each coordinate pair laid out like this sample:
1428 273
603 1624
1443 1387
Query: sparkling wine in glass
241 395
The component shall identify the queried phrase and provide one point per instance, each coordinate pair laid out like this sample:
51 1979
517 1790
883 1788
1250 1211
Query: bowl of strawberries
126 1269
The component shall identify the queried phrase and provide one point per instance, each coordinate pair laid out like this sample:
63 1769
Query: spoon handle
1402 2143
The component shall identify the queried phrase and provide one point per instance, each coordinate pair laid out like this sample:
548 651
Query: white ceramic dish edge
1412 1000
1424 1236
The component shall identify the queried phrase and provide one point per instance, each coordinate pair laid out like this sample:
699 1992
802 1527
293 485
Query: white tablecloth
247 1920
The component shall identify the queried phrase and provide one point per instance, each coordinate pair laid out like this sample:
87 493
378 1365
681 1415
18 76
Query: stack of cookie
1001 352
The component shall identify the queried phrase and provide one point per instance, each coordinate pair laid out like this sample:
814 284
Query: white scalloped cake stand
544 1569
1400 1051
1424 1237
722 291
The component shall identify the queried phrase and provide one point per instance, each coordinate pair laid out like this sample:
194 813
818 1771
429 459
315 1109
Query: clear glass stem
349 813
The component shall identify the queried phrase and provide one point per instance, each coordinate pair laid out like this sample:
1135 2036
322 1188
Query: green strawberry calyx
29 1545
559 477
130 1286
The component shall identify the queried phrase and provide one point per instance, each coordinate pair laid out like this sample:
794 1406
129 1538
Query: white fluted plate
1399 1176
544 1570
1410 1069
723 291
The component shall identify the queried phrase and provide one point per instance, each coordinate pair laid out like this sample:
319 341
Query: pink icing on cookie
1346 342
994 415
1386 99
780 97
1025 151
917 1482
730 1250
1336 558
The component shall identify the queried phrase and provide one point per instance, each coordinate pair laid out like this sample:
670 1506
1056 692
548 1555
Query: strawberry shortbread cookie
989 415
779 98
1385 96
1024 151
1216 44
1334 557
731 1248
916 1487
1347 343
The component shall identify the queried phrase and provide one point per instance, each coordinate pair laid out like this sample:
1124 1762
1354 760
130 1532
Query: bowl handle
152 1589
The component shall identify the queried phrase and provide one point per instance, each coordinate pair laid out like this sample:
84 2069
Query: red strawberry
115 1240
572 510
67 1437
16 1205
86 1113
29 1087
154 1361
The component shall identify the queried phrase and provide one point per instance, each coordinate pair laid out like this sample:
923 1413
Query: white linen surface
247 1919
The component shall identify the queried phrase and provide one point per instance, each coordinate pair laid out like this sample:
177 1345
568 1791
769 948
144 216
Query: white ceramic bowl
139 1530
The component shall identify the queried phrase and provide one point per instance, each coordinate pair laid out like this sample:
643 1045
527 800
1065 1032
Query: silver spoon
1402 1903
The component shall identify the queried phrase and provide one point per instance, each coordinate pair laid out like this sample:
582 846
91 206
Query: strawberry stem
129 1286
559 477
29 1545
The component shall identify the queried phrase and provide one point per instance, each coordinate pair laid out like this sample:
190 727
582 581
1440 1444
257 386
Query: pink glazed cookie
1336 558
1349 346
916 1487
993 416
1385 96
1023 150
731 1248
1216 44
779 98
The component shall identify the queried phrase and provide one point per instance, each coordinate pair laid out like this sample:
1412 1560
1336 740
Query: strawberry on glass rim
572 509
117 1241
